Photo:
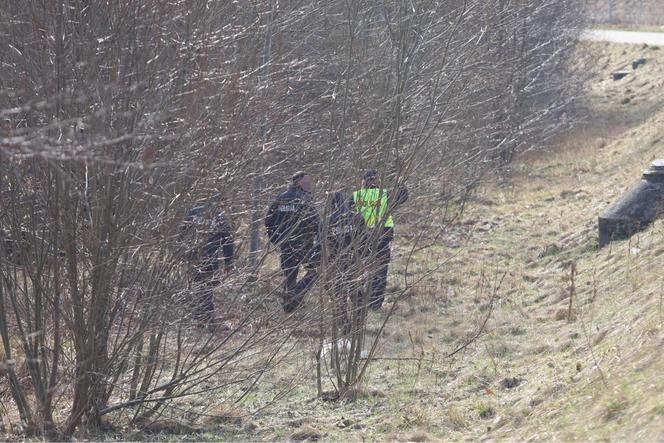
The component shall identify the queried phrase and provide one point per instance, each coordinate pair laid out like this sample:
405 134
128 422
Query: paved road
639 38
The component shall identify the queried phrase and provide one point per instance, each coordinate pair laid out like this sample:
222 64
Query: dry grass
532 374
457 418
593 375
223 415
306 433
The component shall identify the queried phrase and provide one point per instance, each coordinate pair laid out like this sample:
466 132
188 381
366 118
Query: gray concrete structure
635 210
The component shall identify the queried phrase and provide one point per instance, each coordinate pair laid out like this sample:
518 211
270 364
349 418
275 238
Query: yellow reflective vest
372 205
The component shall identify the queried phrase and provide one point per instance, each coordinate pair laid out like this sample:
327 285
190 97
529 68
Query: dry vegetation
488 345
538 371
534 373
117 118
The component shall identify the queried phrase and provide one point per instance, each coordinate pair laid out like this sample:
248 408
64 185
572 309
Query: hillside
537 370
526 364
595 377
519 329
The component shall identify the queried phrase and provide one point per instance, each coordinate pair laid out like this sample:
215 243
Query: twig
572 290
592 353
416 359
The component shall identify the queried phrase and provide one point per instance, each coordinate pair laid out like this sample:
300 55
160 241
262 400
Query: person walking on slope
207 236
346 251
292 224
376 205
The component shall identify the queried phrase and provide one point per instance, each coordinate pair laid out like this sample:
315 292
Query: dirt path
638 38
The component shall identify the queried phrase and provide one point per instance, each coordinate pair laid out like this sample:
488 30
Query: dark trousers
292 257
382 258
203 283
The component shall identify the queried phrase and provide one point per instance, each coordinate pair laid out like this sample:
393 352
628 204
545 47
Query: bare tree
121 116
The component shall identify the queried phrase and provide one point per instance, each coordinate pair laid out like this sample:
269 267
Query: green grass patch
485 410
658 410
615 408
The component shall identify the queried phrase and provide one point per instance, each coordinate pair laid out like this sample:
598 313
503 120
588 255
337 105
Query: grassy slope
532 375
598 377
604 370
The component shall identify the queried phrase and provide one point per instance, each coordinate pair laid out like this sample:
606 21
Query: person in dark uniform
346 251
207 237
8 250
376 205
292 224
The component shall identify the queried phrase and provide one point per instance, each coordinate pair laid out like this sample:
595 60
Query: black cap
298 176
370 174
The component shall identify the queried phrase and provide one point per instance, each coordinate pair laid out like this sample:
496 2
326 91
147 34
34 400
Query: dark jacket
397 197
206 236
347 230
292 219
8 249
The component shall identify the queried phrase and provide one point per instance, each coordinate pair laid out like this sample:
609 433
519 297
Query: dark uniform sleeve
399 197
271 221
221 241
228 248
312 220
310 227
184 236
362 239
7 249
226 239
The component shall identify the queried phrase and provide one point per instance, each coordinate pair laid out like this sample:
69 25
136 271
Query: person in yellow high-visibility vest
376 205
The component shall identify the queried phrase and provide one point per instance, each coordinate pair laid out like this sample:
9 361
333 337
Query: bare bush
121 116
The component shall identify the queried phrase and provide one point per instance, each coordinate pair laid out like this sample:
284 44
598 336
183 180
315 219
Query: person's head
370 178
303 181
